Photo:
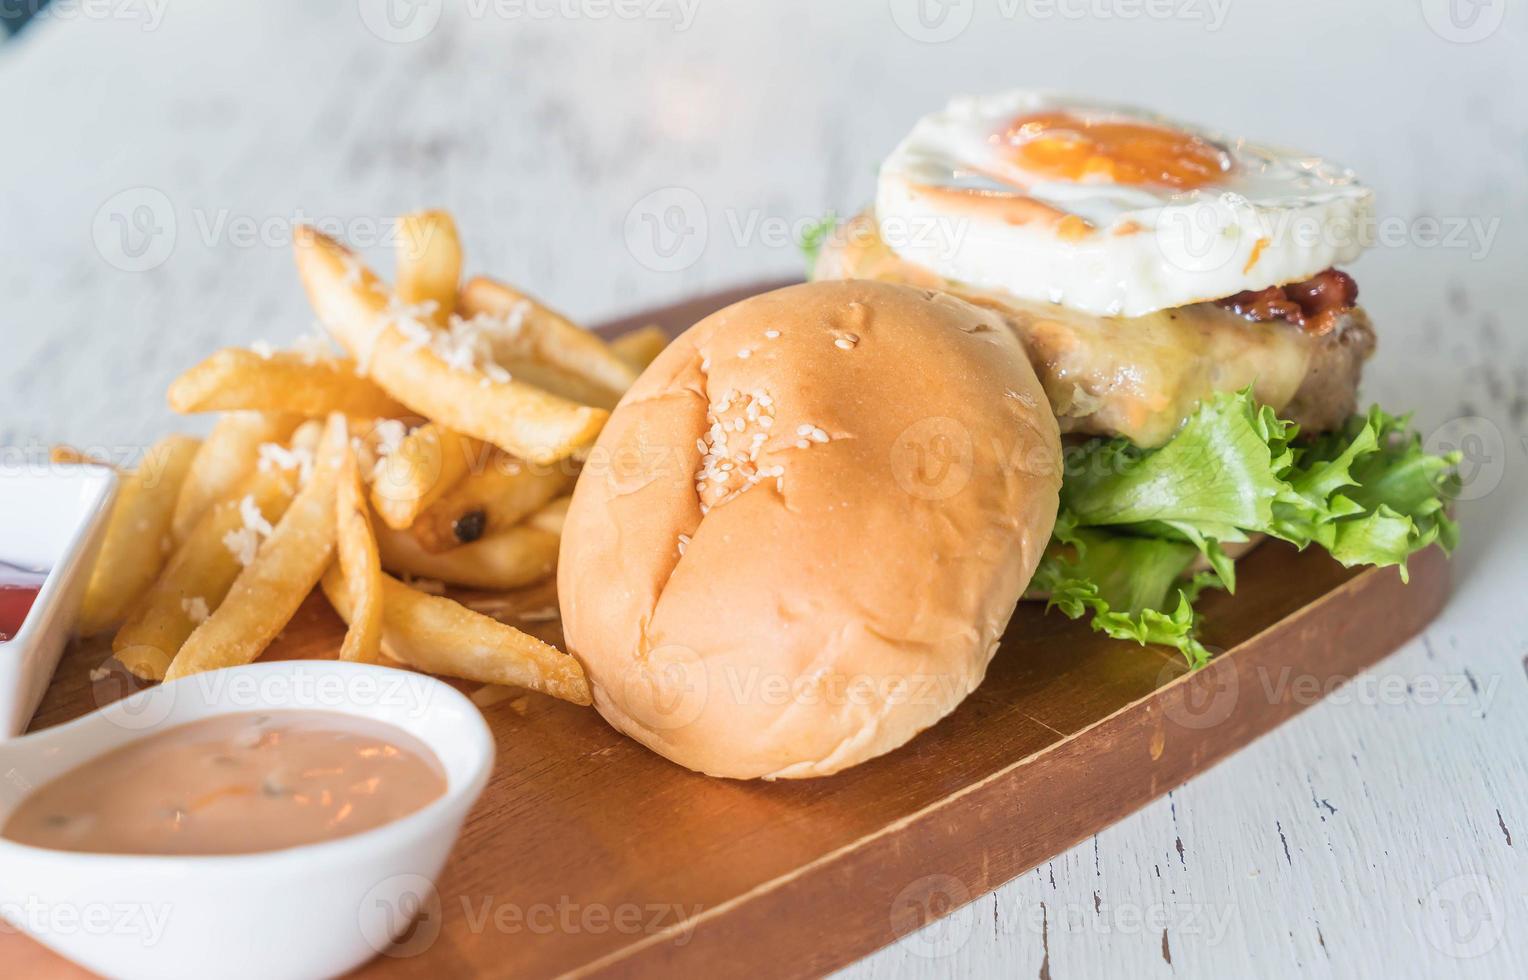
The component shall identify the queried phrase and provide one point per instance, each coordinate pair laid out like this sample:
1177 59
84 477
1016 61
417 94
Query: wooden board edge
679 317
933 863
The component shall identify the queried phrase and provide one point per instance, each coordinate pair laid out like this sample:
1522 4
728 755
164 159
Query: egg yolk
1063 146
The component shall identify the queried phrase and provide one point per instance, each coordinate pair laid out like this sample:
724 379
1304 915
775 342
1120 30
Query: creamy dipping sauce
236 784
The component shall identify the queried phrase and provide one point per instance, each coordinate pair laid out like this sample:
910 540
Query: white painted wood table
154 155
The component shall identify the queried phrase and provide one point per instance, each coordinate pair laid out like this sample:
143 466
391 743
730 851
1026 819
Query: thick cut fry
429 263
358 560
545 335
441 636
493 499
285 569
507 560
285 381
308 435
639 347
354 305
427 463
227 457
200 572
549 377
550 518
137 534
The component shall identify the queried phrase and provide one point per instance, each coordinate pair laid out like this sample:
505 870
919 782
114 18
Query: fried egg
1107 209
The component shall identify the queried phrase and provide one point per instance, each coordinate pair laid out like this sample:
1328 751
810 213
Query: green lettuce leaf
1221 472
1127 583
813 237
1395 494
1133 520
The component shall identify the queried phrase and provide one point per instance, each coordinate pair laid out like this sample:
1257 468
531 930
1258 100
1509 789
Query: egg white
945 200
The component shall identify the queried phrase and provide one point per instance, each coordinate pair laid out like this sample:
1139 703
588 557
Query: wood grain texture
590 855
1345 843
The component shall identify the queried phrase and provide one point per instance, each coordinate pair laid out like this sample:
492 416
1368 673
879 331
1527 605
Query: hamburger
1073 352
1177 292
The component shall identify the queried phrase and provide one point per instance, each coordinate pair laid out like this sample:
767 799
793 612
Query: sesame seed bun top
803 530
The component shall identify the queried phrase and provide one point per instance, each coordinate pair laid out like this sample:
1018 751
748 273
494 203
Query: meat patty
1140 377
1329 392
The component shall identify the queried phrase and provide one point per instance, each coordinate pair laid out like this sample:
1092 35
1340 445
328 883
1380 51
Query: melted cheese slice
1137 377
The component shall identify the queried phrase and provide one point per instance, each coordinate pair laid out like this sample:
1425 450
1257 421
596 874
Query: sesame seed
802 430
744 354
771 334
802 444
729 468
844 343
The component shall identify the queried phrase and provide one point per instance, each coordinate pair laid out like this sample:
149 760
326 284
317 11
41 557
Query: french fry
285 381
640 347
427 463
507 560
354 305
288 565
70 456
358 561
308 434
491 694
429 263
441 636
137 533
495 498
227 456
201 570
526 368
551 517
546 335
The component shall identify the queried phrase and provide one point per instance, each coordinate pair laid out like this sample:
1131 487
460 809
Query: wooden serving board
590 855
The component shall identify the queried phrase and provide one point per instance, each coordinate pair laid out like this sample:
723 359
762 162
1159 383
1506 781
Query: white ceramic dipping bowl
312 911
51 519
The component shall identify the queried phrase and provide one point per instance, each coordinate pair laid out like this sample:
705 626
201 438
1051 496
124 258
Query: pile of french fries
439 448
